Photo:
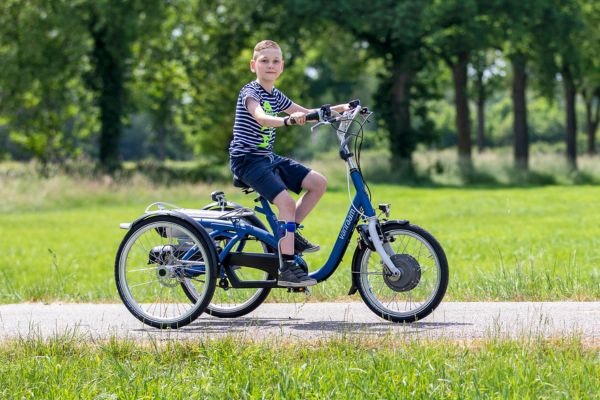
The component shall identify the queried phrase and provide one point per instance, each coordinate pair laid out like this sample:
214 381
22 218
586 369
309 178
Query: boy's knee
316 182
323 182
284 201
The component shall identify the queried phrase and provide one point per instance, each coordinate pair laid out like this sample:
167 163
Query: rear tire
232 302
155 258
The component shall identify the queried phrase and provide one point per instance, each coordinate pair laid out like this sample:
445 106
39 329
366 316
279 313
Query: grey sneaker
301 245
292 275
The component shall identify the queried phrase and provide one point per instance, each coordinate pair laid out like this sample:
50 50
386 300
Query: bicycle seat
238 183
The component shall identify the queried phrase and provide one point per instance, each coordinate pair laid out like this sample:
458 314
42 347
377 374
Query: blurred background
464 91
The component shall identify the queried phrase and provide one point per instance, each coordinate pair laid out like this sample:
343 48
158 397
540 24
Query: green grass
60 236
68 368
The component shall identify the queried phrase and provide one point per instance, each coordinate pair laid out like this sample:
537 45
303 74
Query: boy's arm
294 111
261 117
297 108
341 107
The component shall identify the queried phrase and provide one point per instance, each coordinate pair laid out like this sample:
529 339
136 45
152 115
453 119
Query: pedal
304 290
224 283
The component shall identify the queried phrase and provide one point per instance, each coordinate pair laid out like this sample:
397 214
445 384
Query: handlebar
323 114
344 125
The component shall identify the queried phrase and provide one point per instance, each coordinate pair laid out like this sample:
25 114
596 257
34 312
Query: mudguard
199 229
361 243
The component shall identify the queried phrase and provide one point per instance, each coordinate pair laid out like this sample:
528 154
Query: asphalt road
309 321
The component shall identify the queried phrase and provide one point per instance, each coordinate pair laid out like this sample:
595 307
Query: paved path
455 321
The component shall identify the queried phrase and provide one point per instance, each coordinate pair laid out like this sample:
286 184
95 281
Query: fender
361 244
199 229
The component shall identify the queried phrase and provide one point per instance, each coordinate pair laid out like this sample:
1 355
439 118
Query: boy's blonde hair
264 44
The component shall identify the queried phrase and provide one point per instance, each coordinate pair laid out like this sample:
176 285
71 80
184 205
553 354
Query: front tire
424 278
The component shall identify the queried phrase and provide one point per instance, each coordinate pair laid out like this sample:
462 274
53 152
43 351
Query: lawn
59 236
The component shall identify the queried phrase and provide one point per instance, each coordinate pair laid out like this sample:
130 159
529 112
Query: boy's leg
290 274
315 185
287 212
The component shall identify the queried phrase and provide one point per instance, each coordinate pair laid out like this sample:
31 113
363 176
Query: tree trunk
109 75
571 120
592 118
480 112
463 122
402 138
519 86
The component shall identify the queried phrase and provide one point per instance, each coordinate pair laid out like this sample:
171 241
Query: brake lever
318 124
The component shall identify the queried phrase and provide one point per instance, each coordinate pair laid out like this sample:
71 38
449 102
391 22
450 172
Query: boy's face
268 65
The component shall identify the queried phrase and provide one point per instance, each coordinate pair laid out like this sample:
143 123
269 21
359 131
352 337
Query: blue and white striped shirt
248 136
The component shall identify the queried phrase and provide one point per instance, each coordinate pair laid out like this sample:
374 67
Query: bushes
176 172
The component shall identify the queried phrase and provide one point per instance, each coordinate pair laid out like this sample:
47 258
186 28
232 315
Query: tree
113 26
55 45
590 85
45 106
458 29
393 32
522 28
488 71
558 55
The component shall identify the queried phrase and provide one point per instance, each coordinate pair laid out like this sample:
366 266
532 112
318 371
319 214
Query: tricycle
175 263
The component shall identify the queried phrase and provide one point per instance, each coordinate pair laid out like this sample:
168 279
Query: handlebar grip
313 116
354 103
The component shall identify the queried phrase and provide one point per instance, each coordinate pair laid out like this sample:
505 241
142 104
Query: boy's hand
298 118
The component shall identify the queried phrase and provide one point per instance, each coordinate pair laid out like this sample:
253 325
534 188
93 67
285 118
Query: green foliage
458 27
44 105
114 80
393 31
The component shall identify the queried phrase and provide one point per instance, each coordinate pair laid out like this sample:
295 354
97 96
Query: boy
254 163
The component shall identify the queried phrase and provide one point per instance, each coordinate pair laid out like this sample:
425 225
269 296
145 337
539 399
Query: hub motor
410 273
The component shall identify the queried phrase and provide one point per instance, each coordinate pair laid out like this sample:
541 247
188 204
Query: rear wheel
228 302
421 286
155 260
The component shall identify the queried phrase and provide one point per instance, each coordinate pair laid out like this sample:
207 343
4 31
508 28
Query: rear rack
200 213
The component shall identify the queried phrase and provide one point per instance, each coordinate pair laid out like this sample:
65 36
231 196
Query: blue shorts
269 175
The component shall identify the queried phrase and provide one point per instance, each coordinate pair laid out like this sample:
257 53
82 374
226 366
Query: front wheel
422 284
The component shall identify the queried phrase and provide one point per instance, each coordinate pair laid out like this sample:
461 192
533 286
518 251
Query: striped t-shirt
248 136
